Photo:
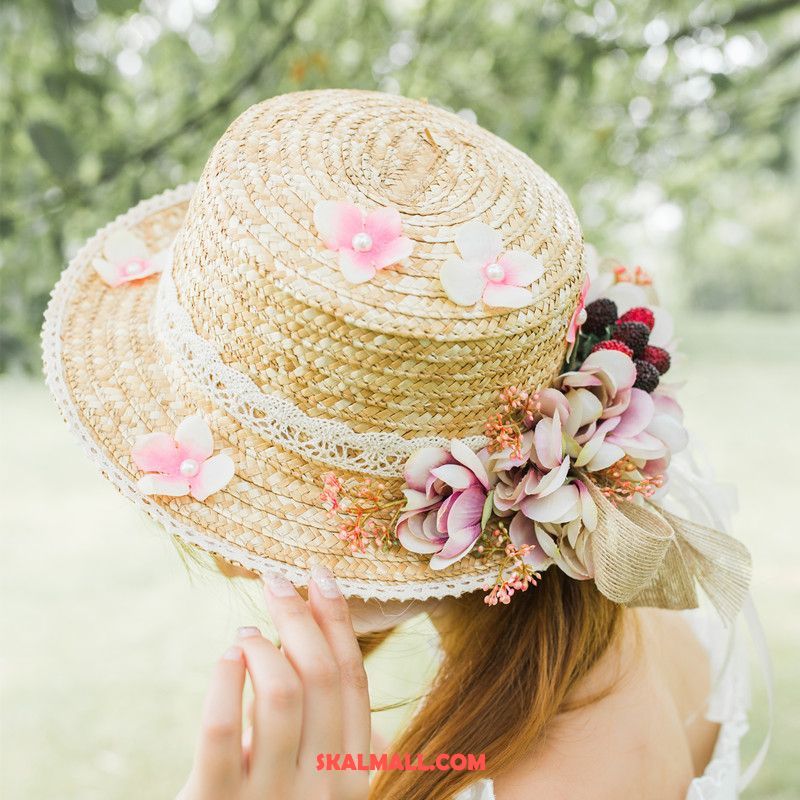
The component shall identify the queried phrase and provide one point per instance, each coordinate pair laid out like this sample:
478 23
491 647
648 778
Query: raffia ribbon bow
646 556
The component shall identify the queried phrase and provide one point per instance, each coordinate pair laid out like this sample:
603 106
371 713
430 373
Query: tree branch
755 11
225 100
745 13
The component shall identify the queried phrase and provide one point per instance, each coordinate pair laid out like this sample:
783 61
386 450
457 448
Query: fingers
218 759
277 710
332 614
309 653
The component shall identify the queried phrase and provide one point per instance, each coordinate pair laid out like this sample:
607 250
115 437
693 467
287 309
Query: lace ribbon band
646 556
271 416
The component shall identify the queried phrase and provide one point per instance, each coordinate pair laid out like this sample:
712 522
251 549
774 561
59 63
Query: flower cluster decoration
125 258
486 271
608 424
365 242
181 464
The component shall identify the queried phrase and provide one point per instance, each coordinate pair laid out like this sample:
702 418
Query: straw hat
295 370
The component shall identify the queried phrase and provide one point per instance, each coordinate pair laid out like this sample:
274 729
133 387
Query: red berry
639 314
658 357
614 344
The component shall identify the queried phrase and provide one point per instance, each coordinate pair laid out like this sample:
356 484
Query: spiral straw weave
390 355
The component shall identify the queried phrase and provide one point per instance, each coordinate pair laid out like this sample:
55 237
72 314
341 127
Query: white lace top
728 706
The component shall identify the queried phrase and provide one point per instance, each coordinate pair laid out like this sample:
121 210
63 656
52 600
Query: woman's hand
310 698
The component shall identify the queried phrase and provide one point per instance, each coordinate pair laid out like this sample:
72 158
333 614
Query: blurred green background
674 128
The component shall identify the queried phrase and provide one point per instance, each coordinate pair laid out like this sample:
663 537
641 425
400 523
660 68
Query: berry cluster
628 334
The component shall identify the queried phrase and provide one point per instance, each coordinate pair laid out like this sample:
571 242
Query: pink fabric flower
568 546
182 464
540 488
562 536
666 426
126 258
648 430
365 242
579 314
485 271
446 493
609 375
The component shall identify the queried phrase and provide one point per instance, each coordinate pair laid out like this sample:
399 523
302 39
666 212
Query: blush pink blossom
647 430
608 418
125 258
567 545
487 272
446 493
182 464
579 314
542 489
365 242
609 375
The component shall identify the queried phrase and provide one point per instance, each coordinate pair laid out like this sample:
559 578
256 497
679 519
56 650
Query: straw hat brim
113 381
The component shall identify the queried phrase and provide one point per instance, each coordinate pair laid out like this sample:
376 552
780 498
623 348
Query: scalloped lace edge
56 383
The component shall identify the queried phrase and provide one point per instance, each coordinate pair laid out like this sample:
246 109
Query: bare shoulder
638 740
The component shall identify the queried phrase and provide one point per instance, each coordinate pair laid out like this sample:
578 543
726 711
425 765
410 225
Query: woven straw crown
393 354
275 316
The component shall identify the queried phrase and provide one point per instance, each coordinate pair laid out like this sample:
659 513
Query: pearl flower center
495 272
133 267
362 242
189 468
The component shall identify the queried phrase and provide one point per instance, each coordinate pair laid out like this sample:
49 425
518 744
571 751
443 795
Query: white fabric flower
126 258
486 272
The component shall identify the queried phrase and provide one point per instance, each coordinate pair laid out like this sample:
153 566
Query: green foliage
53 146
673 127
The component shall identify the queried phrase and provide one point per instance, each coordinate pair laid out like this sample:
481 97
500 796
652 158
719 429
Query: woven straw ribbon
295 369
645 556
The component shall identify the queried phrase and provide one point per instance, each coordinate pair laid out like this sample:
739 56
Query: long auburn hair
506 673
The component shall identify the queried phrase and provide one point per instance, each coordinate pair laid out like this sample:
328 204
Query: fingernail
325 581
232 654
248 631
278 585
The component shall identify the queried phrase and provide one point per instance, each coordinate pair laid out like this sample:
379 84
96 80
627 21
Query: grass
108 643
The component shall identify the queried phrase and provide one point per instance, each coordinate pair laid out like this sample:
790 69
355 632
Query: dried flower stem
639 276
513 574
623 481
519 409
360 509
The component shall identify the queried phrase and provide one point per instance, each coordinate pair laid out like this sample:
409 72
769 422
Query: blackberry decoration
600 315
658 357
639 314
646 376
633 334
613 344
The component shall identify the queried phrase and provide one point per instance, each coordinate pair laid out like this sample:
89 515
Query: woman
568 696
363 356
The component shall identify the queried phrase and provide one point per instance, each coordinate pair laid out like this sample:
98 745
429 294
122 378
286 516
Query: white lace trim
271 416
56 383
